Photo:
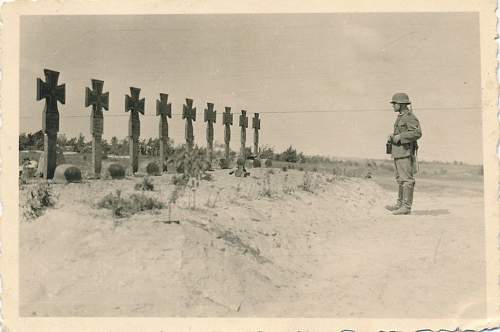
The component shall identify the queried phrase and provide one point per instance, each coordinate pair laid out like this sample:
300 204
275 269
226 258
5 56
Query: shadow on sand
436 212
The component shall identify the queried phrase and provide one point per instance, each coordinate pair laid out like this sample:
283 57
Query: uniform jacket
408 128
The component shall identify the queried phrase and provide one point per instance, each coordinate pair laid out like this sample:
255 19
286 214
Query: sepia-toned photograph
251 165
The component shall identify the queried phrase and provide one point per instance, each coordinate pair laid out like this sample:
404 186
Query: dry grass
40 198
122 207
145 185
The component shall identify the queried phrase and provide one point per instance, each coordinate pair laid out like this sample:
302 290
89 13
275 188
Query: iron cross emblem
210 113
188 112
243 119
227 117
96 98
163 107
256 121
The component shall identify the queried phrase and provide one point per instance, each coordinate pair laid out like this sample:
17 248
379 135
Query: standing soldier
402 145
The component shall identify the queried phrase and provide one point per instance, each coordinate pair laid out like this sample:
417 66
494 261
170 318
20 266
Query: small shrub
175 194
265 190
268 163
315 169
40 197
301 168
238 188
256 163
145 185
212 199
207 177
141 202
289 155
179 180
287 189
284 168
307 182
179 168
172 199
122 207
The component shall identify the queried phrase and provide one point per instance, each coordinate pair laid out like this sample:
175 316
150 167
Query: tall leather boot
399 202
407 201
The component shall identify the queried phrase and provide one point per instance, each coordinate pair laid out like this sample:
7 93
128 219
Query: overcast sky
291 64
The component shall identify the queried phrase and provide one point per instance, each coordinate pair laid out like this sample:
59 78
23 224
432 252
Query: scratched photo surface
251 165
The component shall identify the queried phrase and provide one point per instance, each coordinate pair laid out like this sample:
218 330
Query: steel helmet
400 98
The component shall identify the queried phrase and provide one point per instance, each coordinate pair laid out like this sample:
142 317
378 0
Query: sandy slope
333 253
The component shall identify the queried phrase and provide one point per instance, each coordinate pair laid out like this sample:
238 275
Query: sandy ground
333 252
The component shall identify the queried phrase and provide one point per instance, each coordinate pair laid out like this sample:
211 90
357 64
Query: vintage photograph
231 165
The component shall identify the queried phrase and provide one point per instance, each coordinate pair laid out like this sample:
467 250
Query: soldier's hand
389 138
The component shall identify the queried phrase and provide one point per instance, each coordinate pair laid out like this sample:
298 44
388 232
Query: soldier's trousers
404 171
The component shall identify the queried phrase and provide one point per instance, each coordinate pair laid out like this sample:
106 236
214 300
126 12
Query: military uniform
407 131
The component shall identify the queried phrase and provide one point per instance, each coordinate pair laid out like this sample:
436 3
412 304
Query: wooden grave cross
227 121
256 127
189 114
164 110
135 106
98 100
244 126
210 118
52 93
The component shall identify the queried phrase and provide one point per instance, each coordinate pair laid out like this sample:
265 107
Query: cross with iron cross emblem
163 107
188 112
49 90
210 113
96 98
164 110
256 121
52 93
210 117
132 102
227 117
136 106
243 119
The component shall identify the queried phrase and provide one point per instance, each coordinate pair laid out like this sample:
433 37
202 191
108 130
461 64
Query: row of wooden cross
53 93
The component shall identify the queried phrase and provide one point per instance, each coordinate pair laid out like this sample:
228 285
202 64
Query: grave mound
116 171
67 173
153 168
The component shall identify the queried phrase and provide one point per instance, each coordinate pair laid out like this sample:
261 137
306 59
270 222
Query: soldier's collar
406 112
